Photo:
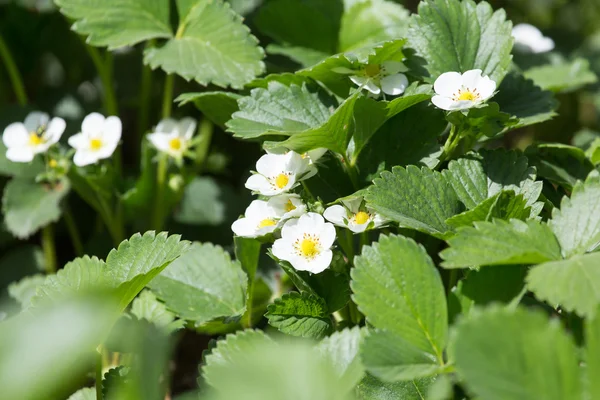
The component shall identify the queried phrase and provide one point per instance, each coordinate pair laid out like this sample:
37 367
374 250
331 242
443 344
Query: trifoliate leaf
24 290
516 355
300 314
203 284
371 388
563 77
453 35
146 306
211 45
368 22
521 98
117 23
84 394
398 288
592 356
571 284
577 223
559 163
29 206
419 199
340 350
501 242
216 106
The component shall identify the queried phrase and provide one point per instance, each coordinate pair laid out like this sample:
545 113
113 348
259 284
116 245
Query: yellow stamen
95 144
175 144
266 222
361 217
289 206
35 139
308 248
467 95
281 181
372 70
52 163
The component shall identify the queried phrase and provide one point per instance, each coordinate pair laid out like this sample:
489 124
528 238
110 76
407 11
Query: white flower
34 136
459 92
259 219
352 216
529 39
377 77
306 243
97 140
278 173
173 137
288 206
311 155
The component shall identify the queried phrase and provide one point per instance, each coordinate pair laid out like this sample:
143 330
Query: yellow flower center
266 222
281 181
467 94
289 206
308 248
95 144
372 70
175 144
35 139
361 217
52 163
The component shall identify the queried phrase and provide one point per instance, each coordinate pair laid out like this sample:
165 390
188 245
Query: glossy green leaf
496 283
340 350
370 388
216 106
516 355
501 242
203 284
453 35
563 77
559 163
304 56
146 306
300 314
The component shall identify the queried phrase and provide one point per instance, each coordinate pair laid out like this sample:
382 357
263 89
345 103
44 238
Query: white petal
15 135
523 32
160 141
358 228
543 45
282 249
79 141
55 129
270 164
315 154
167 125
461 105
112 130
311 223
394 84
443 102
187 127
35 119
259 183
290 230
378 220
244 227
93 124
359 80
259 210
19 154
447 84
486 88
106 150
471 79
309 173
372 87
40 148
84 157
320 262
336 214
327 235
393 67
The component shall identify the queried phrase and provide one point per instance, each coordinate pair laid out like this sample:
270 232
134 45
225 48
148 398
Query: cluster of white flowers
304 239
386 77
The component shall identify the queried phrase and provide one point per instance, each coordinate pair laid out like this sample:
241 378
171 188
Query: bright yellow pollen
175 144
95 144
289 206
281 181
35 139
372 70
361 217
467 95
308 248
266 222
52 163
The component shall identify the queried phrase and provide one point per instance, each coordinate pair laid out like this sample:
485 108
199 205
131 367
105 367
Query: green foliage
455 35
519 354
29 206
559 163
24 290
203 284
300 314
592 356
19 170
146 306
340 351
370 388
216 106
564 77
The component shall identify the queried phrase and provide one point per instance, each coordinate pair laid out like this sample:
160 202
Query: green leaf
301 55
497 283
563 77
559 163
592 356
216 106
205 202
300 314
453 35
521 98
398 288
577 223
280 109
370 388
24 290
146 306
117 23
29 206
203 284
574 284
501 242
247 252
419 199
19 170
84 394
368 22
516 355
340 350
212 45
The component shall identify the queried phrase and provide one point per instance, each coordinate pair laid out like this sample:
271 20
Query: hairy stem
168 96
49 248
161 177
13 73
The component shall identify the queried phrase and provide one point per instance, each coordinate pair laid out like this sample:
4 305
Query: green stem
346 243
451 144
355 315
104 68
115 229
145 98
205 137
49 248
168 96
363 240
13 73
161 177
352 173
99 362
247 322
73 232
452 280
